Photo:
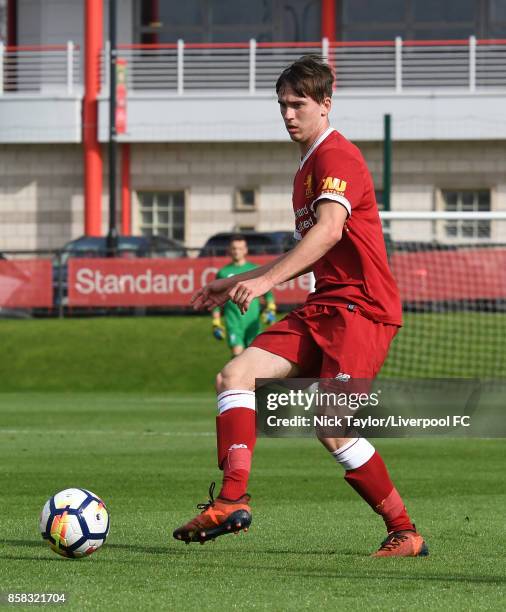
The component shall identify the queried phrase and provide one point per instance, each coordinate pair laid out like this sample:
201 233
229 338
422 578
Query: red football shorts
325 341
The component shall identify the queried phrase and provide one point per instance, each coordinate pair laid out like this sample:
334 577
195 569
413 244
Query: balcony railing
395 66
251 68
40 69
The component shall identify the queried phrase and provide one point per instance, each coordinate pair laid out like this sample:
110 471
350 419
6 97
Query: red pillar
328 21
126 205
93 19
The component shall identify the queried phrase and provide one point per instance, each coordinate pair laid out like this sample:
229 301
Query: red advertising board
463 274
471 274
26 283
156 282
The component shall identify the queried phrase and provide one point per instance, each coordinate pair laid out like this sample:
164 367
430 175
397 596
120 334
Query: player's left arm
331 217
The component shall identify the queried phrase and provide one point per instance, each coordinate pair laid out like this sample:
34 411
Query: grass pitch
151 458
178 354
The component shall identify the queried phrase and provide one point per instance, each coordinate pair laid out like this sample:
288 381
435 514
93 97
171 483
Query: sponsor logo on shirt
303 224
332 185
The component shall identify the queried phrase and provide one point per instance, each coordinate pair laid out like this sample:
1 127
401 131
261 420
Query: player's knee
234 376
218 382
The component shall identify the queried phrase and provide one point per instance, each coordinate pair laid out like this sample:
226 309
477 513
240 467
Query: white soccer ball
75 522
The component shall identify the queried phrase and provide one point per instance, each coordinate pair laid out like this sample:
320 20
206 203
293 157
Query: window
412 19
228 20
162 214
245 199
467 201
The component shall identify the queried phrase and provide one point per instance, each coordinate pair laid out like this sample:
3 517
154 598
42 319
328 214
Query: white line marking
94 432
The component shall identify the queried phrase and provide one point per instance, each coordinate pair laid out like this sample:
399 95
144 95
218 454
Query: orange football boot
218 517
402 544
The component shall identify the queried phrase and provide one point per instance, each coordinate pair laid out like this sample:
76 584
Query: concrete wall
41 196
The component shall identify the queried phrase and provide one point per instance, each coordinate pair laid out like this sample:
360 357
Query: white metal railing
442 215
253 67
40 69
397 66
442 227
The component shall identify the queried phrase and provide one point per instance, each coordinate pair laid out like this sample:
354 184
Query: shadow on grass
24 543
178 548
176 551
394 575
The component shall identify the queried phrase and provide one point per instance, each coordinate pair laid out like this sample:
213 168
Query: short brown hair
237 238
309 76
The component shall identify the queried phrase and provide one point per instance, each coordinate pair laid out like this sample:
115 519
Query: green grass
178 354
152 456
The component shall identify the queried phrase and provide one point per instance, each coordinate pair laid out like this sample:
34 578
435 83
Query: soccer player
343 330
241 328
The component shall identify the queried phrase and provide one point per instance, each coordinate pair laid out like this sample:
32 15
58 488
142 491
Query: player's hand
212 295
269 314
243 293
218 330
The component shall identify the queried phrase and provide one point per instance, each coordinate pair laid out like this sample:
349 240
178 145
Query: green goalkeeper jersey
231 311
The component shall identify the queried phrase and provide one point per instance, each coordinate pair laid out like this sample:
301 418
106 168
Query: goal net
451 273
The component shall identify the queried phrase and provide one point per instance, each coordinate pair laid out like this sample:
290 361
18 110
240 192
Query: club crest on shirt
329 184
308 183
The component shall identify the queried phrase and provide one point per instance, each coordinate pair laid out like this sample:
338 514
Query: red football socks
372 482
236 437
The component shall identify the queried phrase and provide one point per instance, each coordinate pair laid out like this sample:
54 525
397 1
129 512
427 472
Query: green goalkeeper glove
218 329
269 314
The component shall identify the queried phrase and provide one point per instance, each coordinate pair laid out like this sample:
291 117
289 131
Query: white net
451 272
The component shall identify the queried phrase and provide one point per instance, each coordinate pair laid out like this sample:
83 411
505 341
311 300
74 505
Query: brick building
205 149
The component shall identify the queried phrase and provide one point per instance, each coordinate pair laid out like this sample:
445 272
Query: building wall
54 22
41 195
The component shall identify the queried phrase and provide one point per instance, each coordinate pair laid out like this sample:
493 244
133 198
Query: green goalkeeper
241 329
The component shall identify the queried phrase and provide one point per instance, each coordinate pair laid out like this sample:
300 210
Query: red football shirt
354 271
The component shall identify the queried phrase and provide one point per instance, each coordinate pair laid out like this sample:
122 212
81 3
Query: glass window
188 13
467 201
245 199
229 20
234 12
443 11
411 19
373 33
373 11
301 20
241 34
438 33
162 214
483 200
497 10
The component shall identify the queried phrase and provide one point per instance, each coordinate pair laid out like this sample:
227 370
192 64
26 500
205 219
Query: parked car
259 243
134 246
96 246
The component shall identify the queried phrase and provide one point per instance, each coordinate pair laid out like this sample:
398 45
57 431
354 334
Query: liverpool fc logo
309 185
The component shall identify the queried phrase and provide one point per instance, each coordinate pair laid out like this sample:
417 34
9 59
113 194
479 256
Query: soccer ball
75 522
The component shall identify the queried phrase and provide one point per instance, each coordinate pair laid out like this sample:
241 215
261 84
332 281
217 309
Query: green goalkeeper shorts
242 334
